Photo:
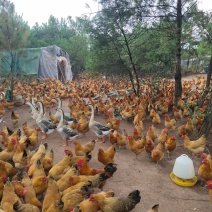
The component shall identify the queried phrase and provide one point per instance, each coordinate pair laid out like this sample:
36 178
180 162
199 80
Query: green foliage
14 31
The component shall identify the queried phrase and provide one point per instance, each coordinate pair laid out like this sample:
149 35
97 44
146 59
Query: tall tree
14 32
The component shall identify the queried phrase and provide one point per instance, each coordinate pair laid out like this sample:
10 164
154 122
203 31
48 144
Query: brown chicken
156 119
9 151
83 127
59 169
64 182
181 130
157 153
121 139
136 146
3 170
30 195
152 132
178 114
48 160
205 170
53 119
86 170
137 133
92 203
149 145
118 204
196 146
170 145
20 207
189 126
154 208
163 136
57 206
19 188
113 137
74 197
9 197
52 194
14 117
106 156
82 150
33 138
27 131
170 124
209 185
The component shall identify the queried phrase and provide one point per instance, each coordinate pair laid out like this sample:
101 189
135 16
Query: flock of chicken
29 180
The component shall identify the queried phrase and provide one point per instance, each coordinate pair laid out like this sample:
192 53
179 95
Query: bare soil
152 181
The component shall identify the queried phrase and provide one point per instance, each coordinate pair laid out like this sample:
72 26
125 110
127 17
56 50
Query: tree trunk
178 83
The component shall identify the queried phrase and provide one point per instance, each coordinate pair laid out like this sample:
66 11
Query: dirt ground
152 181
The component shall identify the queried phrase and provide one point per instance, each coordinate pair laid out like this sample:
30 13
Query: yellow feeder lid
183 182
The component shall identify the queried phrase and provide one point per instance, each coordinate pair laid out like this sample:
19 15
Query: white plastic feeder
183 172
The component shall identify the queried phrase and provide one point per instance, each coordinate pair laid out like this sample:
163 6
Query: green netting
26 62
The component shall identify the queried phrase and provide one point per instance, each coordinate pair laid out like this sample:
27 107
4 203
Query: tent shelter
44 62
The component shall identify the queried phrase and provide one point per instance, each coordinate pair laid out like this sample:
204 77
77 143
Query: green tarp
26 61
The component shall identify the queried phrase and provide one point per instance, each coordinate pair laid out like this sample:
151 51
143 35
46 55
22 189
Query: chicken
152 133
14 117
118 204
39 184
86 170
10 169
157 153
154 208
59 169
137 133
33 138
64 182
181 130
39 154
19 207
205 170
74 197
83 127
170 124
19 188
163 136
178 114
53 118
113 137
92 203
57 206
9 197
27 131
52 194
20 158
3 170
189 126
113 122
48 160
30 196
121 139
195 146
149 145
156 119
9 151
106 156
209 185
81 150
170 144
136 146
2 180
